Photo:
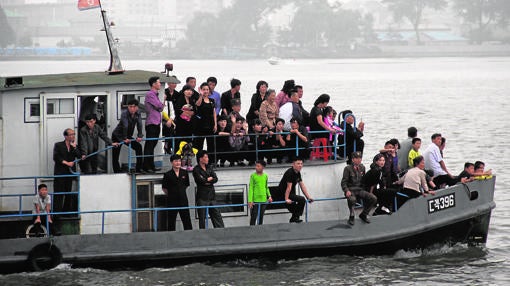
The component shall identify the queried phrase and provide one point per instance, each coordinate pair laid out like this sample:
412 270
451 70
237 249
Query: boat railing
154 210
257 152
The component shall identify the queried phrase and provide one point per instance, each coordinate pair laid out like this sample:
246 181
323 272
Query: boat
120 220
274 60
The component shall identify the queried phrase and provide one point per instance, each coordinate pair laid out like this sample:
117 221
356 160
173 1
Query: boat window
60 106
123 97
32 109
231 195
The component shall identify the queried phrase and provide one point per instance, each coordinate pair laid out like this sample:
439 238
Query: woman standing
205 121
256 100
269 110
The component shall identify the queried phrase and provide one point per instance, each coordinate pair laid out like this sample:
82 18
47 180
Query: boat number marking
441 203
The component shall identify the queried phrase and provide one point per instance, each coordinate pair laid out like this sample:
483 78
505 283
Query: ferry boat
120 220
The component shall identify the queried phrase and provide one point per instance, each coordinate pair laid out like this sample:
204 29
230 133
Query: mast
115 64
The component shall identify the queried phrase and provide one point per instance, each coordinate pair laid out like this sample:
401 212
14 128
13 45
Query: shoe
364 218
140 171
222 165
156 169
351 220
385 210
151 171
295 220
241 164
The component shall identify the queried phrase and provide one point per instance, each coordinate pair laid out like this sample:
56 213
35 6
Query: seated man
434 161
415 182
295 203
351 185
466 175
297 138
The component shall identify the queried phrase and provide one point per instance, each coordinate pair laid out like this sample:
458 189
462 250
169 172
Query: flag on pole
88 4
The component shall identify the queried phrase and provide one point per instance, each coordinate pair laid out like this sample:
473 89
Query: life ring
32 232
44 256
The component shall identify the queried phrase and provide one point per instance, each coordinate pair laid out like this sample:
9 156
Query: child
329 120
276 141
258 193
187 152
42 207
258 142
416 145
237 141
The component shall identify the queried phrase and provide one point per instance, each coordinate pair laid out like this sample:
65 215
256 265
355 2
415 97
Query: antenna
115 64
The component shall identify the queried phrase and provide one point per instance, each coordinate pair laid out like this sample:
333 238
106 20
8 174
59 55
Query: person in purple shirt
153 109
212 82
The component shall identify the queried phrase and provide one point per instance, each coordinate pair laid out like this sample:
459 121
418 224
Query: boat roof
84 79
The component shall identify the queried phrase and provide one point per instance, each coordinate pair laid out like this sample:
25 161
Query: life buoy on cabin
44 256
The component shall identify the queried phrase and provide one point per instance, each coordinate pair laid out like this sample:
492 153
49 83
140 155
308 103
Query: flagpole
115 64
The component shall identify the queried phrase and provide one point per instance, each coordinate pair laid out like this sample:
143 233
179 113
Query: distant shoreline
378 52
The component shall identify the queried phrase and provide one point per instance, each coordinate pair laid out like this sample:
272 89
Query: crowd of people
275 125
400 171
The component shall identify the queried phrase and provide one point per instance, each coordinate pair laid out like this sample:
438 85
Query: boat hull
416 225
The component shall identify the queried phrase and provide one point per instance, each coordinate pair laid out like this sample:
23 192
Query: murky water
465 99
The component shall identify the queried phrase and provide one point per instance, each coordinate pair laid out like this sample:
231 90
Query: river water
465 99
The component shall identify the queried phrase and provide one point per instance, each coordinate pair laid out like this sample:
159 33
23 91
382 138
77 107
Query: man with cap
351 185
175 183
205 178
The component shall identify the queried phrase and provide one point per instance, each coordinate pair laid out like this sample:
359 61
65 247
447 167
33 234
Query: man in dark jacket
89 143
205 178
64 154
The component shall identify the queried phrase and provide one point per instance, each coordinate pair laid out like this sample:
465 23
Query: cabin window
32 109
232 195
60 106
123 97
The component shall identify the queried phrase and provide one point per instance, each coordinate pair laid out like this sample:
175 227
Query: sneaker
351 220
385 210
364 218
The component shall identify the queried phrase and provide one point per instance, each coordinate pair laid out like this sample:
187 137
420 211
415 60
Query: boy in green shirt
414 152
258 193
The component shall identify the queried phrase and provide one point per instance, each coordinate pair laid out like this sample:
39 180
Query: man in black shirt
175 183
295 203
228 96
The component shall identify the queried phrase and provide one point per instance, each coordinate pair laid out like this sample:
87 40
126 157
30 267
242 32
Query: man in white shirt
434 161
291 110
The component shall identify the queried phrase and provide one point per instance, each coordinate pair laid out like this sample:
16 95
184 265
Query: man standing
351 185
434 161
89 143
153 109
228 96
205 178
192 82
175 183
405 147
212 82
295 203
64 154
124 132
